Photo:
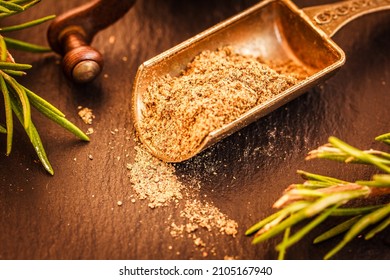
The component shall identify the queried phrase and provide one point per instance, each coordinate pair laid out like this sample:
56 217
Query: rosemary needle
3 129
8 114
24 46
283 245
340 228
26 24
34 137
377 229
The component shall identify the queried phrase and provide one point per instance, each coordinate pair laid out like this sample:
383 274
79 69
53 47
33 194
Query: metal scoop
273 30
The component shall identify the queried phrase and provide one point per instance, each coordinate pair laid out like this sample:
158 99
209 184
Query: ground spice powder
215 89
156 182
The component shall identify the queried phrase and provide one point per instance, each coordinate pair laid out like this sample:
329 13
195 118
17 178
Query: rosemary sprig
17 98
321 197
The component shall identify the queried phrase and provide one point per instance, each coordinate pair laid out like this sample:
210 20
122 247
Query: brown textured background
74 215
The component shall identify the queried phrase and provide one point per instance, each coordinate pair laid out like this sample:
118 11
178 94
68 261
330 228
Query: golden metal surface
272 29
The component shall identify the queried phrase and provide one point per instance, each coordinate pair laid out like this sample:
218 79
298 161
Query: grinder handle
71 33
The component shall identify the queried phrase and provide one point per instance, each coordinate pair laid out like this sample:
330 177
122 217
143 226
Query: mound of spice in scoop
215 89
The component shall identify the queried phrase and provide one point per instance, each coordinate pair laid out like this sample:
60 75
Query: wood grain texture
74 214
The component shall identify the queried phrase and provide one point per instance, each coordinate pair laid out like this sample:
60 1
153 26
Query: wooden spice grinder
71 33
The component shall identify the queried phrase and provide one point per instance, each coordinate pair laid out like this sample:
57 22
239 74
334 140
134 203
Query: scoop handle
71 33
331 17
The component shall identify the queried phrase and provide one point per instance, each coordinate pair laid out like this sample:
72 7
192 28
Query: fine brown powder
155 181
200 214
215 89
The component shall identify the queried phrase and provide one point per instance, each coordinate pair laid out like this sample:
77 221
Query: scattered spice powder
155 181
215 89
205 215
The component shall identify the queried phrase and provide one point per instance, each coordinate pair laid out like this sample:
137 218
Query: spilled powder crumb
86 114
112 39
90 131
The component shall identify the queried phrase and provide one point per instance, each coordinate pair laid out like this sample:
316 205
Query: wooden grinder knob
70 35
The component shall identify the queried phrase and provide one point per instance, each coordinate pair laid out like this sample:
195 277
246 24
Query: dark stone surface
74 214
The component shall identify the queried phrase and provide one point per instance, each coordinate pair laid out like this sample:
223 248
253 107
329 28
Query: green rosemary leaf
321 178
330 152
34 137
3 49
293 207
5 10
311 184
62 121
378 229
306 229
11 6
355 211
20 2
289 222
373 184
8 114
335 198
26 24
378 180
29 3
382 178
14 72
3 129
38 101
19 90
381 154
39 149
340 228
306 193
383 137
14 66
282 249
359 226
356 153
24 46
54 114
